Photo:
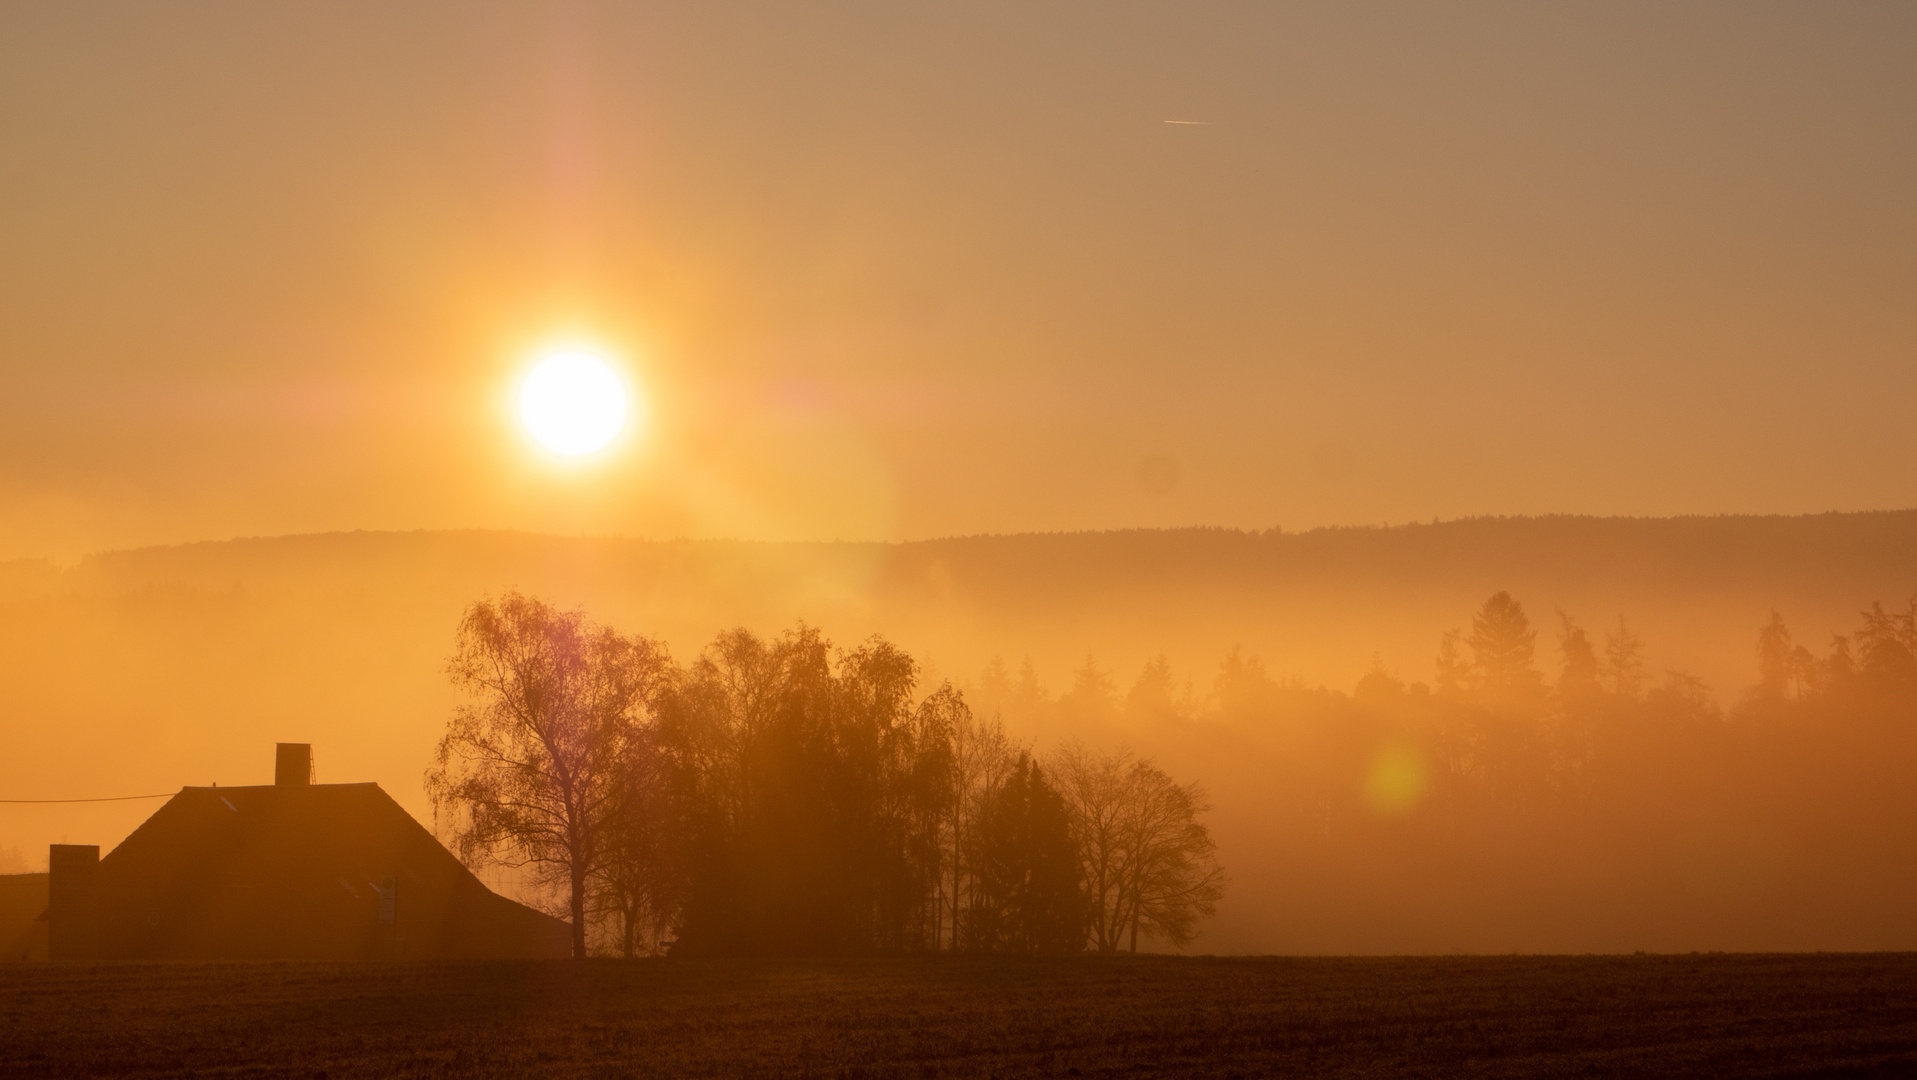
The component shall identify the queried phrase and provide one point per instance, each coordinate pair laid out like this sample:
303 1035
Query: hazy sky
892 270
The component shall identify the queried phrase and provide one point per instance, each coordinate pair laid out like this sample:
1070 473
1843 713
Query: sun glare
573 403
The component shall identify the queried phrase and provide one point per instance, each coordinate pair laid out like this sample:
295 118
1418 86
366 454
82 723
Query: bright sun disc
573 403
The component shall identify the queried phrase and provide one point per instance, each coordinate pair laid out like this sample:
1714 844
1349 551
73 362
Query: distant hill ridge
1720 547
1319 603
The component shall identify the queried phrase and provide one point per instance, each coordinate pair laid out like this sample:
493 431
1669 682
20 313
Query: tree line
787 796
1497 711
1546 785
781 794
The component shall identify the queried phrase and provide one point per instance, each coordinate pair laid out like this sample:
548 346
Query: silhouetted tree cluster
1872 668
786 796
1547 784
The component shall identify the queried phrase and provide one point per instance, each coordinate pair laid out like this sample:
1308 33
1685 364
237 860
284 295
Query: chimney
293 764
73 902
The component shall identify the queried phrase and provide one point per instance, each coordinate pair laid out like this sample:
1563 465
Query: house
288 871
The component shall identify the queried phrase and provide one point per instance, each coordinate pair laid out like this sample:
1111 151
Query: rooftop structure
289 871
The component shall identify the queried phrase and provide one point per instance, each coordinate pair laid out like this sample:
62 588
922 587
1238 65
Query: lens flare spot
1396 781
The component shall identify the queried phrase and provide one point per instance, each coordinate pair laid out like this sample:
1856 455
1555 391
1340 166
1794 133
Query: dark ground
1715 1016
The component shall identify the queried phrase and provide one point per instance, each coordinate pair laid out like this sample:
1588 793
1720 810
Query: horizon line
1250 532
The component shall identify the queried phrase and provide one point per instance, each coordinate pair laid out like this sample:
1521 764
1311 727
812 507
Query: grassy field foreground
1823 1015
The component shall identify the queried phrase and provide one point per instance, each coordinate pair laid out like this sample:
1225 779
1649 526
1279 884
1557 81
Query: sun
573 403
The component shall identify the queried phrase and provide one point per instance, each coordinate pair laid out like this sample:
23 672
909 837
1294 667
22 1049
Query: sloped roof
296 872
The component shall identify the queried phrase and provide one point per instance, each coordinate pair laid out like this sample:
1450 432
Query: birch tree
533 763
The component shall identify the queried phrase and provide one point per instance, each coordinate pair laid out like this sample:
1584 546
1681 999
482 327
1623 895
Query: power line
113 798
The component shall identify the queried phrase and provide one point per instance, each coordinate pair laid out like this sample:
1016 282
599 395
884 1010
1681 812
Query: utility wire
114 798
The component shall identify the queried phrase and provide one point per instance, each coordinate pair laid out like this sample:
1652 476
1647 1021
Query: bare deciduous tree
981 760
532 767
1148 864
1097 788
1174 879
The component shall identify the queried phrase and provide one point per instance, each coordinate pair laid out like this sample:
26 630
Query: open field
1709 1015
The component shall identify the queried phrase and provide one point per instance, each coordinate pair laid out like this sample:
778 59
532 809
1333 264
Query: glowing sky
891 270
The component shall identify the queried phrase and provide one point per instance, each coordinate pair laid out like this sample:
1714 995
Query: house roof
299 871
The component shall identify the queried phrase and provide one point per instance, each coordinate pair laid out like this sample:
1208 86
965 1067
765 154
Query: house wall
23 932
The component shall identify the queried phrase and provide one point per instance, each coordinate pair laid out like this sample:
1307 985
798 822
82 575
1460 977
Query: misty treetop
785 795
1547 784
1494 671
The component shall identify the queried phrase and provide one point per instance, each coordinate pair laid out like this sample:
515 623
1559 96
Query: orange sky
895 271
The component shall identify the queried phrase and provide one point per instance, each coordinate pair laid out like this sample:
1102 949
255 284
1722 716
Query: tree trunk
958 865
578 910
1138 901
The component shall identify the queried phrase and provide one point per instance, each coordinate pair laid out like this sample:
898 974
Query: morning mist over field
974 538
204 641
